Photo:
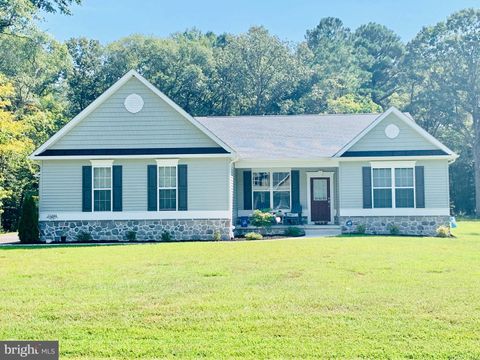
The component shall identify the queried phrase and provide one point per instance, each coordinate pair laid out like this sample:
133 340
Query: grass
346 297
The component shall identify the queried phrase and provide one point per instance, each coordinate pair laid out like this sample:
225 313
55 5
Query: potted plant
63 236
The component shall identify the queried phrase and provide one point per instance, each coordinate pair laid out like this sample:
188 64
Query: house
135 161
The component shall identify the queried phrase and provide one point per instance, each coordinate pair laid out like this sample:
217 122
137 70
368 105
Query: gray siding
112 126
407 139
61 184
436 184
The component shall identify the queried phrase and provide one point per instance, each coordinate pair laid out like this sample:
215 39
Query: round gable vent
133 103
392 131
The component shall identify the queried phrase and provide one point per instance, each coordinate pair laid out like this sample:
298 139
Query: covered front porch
296 196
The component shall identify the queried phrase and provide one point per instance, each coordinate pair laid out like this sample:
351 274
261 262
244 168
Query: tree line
435 77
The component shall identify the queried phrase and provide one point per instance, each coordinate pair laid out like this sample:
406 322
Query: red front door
320 200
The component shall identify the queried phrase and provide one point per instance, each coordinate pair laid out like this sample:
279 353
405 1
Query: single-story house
134 161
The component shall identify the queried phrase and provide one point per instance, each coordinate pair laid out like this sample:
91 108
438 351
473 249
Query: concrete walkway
321 233
9 238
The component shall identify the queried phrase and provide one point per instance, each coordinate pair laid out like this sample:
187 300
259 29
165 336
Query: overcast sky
108 20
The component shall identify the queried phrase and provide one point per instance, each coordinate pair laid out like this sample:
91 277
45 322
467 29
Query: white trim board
90 157
133 215
407 120
286 163
109 92
395 212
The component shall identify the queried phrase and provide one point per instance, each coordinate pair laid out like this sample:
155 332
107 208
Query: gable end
157 127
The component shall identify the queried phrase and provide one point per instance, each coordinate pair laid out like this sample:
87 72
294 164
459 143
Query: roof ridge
281 115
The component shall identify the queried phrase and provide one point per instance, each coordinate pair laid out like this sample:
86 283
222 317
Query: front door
320 200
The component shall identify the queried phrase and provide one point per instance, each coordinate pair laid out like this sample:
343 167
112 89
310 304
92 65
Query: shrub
83 236
167 236
131 235
443 231
394 229
360 229
261 219
28 225
217 236
253 236
294 231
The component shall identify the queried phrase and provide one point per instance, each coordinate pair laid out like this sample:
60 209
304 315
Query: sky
109 20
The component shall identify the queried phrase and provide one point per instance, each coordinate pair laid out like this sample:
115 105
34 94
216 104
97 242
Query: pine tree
28 225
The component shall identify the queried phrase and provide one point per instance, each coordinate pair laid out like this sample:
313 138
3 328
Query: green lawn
346 297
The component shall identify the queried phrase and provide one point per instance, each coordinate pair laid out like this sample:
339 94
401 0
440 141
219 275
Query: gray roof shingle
271 137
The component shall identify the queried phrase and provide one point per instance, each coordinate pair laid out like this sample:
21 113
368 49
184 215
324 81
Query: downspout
231 185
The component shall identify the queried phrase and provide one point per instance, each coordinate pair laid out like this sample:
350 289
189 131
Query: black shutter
86 188
419 187
182 187
295 191
152 188
117 187
367 187
247 190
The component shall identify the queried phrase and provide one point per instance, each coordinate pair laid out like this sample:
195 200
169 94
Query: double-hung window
167 188
404 188
382 188
393 187
271 190
102 188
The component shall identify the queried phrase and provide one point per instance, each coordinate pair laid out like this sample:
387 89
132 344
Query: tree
443 68
181 66
18 15
15 169
330 54
28 232
263 72
36 66
86 78
379 51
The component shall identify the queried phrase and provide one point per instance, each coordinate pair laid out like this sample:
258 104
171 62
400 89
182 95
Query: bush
217 236
167 236
131 235
261 219
394 229
443 231
253 236
294 231
28 225
83 236
360 229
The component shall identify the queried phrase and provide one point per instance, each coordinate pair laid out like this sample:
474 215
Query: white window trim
392 165
100 164
271 171
167 163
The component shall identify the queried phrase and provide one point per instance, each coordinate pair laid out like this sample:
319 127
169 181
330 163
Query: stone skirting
145 230
407 225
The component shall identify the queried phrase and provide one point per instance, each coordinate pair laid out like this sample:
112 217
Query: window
261 190
271 190
102 188
404 188
393 187
167 188
382 188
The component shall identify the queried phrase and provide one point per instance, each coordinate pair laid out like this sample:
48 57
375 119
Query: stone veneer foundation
407 225
146 230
